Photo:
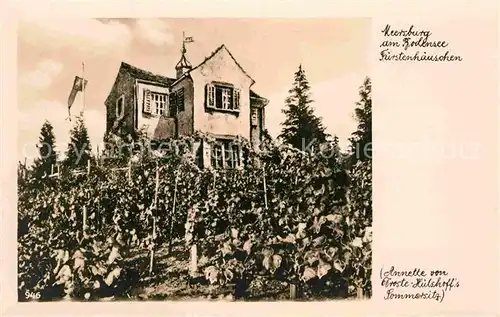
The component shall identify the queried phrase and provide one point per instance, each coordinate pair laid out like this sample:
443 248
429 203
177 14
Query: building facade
214 97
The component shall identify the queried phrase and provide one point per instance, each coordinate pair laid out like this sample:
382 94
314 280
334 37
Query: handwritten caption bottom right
417 284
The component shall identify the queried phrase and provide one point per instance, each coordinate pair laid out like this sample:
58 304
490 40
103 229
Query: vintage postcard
189 158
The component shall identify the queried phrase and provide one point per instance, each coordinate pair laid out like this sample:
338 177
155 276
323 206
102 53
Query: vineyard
297 225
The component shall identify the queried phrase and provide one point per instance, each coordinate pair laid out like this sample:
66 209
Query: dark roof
253 94
139 73
183 62
146 75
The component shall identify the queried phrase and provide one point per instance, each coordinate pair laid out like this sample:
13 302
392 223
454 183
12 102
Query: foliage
79 150
301 126
361 140
42 166
299 231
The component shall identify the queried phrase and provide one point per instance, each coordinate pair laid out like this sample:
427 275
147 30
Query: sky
333 53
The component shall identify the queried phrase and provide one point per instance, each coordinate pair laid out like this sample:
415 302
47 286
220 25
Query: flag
78 85
188 39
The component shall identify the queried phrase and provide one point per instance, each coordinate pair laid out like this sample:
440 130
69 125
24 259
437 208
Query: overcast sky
333 52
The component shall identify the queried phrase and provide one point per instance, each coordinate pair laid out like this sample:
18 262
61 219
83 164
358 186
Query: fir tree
301 128
42 166
340 178
79 150
361 140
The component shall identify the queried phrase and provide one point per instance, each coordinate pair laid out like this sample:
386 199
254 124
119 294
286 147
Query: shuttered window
155 103
222 97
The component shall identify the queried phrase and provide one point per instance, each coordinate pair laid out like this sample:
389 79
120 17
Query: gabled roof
187 74
231 55
146 75
139 73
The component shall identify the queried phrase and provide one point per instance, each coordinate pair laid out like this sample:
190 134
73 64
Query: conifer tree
301 128
360 159
361 140
79 150
42 166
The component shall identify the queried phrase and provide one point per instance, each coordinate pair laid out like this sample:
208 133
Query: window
254 118
160 103
154 103
225 154
222 97
120 106
216 158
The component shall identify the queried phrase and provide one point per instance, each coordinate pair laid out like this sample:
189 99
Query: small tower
183 65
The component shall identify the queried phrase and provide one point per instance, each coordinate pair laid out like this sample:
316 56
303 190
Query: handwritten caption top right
414 45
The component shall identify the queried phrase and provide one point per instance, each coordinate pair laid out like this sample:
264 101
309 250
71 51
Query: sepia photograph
180 159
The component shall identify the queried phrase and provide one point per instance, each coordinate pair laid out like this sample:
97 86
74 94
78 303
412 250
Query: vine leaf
338 266
323 269
309 273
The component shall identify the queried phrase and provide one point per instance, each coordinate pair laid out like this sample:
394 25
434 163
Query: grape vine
296 231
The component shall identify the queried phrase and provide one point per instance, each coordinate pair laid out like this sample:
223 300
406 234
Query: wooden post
99 213
265 186
359 292
97 155
88 167
51 169
151 260
154 218
293 291
129 170
157 184
193 267
84 219
172 213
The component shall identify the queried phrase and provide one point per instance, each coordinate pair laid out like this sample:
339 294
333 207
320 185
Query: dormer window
222 97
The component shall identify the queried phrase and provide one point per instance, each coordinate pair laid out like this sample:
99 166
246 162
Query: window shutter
236 101
210 96
147 101
180 100
172 104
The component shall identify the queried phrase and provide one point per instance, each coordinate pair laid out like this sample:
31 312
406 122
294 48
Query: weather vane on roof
184 63
188 39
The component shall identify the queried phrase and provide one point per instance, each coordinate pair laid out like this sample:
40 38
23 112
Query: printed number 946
30 295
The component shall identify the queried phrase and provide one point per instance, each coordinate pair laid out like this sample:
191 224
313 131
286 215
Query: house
214 97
